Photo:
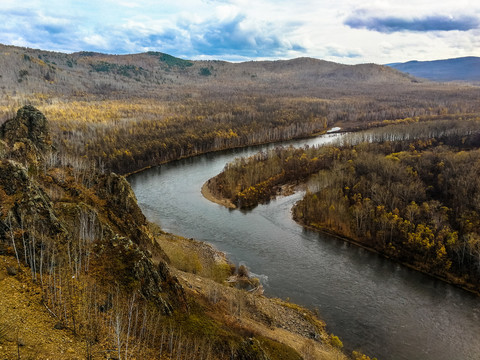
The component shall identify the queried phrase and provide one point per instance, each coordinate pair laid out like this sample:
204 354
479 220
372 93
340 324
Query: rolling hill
28 70
127 112
458 69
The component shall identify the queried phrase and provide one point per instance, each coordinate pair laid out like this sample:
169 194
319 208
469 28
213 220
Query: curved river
372 304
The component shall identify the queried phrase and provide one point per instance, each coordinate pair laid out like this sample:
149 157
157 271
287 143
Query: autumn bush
242 271
359 356
184 260
336 342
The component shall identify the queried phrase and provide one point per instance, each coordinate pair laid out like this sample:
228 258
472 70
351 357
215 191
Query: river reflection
372 304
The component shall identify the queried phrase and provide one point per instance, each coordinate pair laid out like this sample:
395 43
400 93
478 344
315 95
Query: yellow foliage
359 356
423 237
335 341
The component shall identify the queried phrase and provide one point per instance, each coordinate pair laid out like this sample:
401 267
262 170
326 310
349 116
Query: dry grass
193 256
262 316
199 268
26 327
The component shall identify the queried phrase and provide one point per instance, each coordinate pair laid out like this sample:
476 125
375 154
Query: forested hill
463 69
29 70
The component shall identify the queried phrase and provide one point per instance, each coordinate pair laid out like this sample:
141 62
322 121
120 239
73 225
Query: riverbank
448 278
215 197
289 189
227 148
262 316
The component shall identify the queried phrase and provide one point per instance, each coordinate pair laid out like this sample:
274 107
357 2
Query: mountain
458 69
128 112
28 70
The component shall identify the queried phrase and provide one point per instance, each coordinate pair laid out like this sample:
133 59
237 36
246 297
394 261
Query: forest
76 243
125 113
410 192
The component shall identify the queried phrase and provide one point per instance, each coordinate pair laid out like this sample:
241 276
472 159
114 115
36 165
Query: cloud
52 29
33 29
240 30
224 35
20 12
240 36
339 52
97 41
389 24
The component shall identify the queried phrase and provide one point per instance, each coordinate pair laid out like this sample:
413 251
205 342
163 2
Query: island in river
413 201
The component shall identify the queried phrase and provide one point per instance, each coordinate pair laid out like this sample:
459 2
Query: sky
344 31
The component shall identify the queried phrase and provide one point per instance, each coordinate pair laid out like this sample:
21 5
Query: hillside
458 69
29 70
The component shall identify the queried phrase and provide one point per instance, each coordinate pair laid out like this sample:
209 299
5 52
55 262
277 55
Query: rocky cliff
50 213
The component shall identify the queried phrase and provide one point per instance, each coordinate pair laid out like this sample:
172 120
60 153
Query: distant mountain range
459 69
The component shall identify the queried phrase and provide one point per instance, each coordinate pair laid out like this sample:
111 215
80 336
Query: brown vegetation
125 113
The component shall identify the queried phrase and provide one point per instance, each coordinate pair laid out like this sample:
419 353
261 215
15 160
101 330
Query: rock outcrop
52 211
27 136
29 124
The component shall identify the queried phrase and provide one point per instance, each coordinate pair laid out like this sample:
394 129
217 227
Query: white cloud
241 29
97 41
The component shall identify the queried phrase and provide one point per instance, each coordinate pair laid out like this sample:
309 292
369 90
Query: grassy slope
25 321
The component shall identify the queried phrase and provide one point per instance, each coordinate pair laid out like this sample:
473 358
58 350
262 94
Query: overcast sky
345 31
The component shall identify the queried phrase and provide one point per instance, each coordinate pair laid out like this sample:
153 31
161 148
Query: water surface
374 305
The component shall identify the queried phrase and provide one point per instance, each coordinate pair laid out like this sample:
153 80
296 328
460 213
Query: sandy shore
207 194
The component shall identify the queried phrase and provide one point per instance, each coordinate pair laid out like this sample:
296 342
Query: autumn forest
414 200
402 180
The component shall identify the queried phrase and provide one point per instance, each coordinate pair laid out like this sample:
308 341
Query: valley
108 280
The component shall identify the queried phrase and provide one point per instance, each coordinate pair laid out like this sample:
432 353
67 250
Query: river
374 305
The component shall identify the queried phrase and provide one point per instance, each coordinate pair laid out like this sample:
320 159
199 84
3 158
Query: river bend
374 305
